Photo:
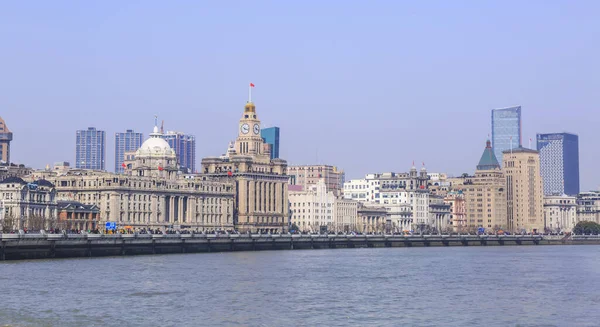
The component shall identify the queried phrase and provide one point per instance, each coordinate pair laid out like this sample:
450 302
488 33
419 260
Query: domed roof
249 107
155 145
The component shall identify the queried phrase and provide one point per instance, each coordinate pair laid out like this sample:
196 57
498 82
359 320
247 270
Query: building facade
373 219
506 130
559 160
439 214
346 215
185 148
458 210
261 183
78 216
6 137
27 205
311 174
90 149
313 208
126 142
152 193
485 195
271 136
524 187
560 213
588 206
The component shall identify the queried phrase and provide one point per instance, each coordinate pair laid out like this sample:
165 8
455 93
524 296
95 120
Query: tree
8 223
36 222
586 227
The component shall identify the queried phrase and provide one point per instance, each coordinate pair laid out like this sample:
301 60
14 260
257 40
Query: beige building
485 195
27 205
261 195
312 208
346 215
151 194
458 210
373 219
524 186
6 137
312 174
560 213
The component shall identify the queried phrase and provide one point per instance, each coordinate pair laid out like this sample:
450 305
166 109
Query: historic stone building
560 213
485 195
261 194
458 210
588 206
27 205
524 186
151 193
373 219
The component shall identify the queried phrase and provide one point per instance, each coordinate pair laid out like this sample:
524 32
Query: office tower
524 190
271 136
185 148
559 158
506 130
90 149
5 137
126 142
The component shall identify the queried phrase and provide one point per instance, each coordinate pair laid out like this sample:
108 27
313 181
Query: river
455 286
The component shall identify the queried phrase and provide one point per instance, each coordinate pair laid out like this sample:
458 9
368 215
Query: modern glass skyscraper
506 130
185 148
271 136
559 161
90 149
124 142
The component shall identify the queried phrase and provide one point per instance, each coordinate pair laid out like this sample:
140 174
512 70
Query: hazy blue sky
368 86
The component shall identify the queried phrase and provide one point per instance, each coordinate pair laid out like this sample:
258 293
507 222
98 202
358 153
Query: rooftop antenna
162 127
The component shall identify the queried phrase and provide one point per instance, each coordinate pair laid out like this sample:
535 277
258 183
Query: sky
368 86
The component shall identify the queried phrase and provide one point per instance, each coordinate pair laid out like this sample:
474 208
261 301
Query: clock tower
249 141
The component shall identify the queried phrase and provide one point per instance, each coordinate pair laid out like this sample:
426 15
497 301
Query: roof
12 180
43 182
520 149
488 159
75 205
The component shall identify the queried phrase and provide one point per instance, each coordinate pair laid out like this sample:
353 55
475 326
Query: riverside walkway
35 246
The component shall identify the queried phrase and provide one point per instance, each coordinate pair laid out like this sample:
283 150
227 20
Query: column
252 196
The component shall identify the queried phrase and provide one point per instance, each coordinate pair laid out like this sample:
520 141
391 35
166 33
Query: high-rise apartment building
90 149
126 142
524 190
506 130
271 136
485 195
185 147
5 137
559 159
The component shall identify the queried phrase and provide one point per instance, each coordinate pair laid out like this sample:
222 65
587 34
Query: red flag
229 173
251 85
160 168
124 165
422 186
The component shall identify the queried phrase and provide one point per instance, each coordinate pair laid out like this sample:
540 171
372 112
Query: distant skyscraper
5 137
271 136
90 149
559 160
506 129
185 148
124 142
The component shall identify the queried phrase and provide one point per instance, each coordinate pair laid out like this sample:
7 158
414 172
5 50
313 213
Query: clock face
245 128
256 129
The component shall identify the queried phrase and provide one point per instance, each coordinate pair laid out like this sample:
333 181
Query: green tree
586 227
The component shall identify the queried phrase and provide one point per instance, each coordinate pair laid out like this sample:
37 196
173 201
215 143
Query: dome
249 107
155 145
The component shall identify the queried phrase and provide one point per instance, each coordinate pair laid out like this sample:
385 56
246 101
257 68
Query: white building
27 205
313 208
588 206
560 213
346 215
405 196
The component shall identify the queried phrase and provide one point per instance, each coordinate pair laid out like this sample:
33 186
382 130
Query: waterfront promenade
35 246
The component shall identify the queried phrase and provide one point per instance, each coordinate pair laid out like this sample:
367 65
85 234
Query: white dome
155 145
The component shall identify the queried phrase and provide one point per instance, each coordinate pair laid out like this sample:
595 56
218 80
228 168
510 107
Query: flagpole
250 92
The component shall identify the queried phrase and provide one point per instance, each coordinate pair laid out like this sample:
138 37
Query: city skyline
74 73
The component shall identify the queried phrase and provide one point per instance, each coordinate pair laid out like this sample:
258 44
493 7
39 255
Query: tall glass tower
185 148
271 136
90 146
559 161
124 142
506 130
